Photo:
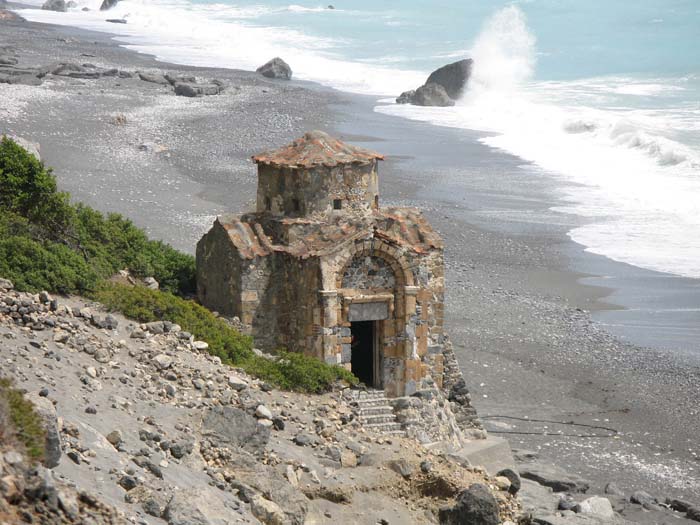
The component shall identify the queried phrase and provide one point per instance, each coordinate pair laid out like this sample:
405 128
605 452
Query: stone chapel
321 268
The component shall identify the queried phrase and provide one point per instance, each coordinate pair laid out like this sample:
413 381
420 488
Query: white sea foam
640 188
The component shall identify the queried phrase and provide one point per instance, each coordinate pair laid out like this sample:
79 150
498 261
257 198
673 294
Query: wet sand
521 303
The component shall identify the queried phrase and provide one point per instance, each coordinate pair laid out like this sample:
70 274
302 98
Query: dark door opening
363 351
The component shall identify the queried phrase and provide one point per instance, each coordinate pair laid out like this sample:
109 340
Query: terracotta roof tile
403 227
317 148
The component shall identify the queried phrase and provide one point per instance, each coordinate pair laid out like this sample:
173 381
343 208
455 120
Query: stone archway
376 297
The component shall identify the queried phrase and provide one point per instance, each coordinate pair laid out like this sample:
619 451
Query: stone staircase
375 413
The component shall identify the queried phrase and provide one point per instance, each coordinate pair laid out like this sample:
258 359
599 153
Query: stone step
372 402
376 411
369 394
369 420
384 427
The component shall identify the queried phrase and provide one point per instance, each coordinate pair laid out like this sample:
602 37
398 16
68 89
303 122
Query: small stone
200 345
102 355
44 392
115 438
426 466
12 457
513 477
597 507
91 371
44 297
278 423
138 334
91 410
643 498
162 361
237 383
128 482
502 482
401 467
612 489
263 412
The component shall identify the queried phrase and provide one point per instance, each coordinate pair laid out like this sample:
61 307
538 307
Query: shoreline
501 277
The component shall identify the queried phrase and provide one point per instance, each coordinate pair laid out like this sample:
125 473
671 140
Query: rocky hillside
144 426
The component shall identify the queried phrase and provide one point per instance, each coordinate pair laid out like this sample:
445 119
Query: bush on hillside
19 422
40 222
292 371
28 189
146 305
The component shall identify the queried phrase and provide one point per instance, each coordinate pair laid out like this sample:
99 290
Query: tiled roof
317 148
254 236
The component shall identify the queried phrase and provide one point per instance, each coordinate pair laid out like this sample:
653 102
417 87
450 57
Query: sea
604 96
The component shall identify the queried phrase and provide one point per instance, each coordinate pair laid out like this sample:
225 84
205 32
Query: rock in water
55 5
452 77
276 68
432 95
474 505
108 4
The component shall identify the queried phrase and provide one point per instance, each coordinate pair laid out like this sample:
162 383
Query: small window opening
296 206
337 204
268 204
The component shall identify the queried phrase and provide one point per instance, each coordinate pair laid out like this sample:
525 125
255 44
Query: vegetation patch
19 422
291 371
69 248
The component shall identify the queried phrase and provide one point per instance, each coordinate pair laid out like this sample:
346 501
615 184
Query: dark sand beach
526 308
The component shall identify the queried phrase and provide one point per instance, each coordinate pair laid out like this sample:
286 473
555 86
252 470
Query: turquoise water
603 96
575 39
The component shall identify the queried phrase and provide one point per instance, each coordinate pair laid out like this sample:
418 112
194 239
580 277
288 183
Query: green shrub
26 424
34 266
298 372
292 371
146 305
29 189
33 209
113 243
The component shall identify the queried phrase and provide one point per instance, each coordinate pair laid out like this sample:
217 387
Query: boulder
513 477
643 498
276 68
428 95
596 507
268 512
474 505
198 507
108 4
693 513
55 5
184 89
185 79
47 411
154 78
553 477
25 80
452 77
231 426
